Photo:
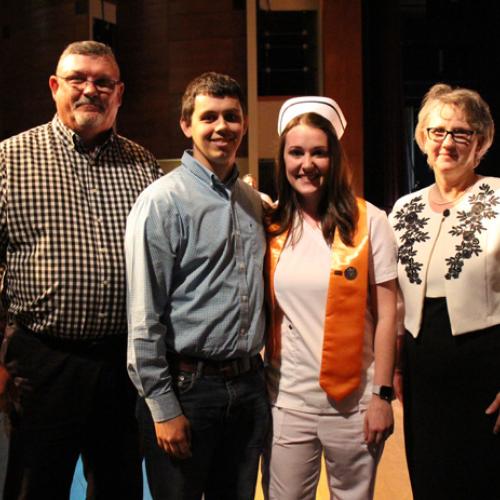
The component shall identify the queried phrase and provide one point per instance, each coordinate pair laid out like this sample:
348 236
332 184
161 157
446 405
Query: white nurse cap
323 106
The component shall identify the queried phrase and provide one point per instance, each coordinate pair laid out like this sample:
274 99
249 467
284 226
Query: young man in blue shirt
195 246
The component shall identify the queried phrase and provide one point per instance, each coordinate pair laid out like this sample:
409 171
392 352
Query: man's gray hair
89 48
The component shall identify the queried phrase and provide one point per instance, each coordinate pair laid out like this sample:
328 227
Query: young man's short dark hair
212 84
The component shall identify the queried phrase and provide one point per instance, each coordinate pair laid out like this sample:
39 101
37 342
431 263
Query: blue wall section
79 485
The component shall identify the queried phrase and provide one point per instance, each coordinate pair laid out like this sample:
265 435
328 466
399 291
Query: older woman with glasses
448 236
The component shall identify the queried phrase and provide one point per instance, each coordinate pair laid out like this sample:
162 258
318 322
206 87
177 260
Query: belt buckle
246 364
231 369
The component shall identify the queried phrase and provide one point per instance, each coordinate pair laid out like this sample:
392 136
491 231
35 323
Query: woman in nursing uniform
331 279
449 273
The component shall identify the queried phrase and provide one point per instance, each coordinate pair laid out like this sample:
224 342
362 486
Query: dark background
407 46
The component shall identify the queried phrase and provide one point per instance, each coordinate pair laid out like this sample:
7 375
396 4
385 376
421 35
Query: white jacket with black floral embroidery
472 281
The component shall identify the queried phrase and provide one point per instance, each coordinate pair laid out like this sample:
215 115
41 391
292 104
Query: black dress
449 381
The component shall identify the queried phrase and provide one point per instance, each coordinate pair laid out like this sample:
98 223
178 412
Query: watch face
386 392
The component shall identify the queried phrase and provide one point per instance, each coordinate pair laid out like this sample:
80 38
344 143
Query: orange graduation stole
344 327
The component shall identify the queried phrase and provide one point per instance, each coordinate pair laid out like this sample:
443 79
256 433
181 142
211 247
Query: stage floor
392 479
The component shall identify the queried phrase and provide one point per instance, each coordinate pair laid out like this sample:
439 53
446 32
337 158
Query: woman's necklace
451 202
447 202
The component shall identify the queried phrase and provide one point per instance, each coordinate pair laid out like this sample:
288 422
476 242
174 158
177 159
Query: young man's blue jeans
229 420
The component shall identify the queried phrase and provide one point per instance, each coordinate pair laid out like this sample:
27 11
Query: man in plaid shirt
66 188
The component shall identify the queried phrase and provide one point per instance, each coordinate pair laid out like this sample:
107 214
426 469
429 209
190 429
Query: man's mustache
94 101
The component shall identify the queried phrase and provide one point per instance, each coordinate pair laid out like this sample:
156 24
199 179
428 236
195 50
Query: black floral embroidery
470 226
410 222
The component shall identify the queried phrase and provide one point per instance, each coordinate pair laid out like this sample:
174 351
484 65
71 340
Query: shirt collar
207 176
73 141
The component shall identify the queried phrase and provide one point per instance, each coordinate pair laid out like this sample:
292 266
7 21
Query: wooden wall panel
343 74
195 7
207 25
142 51
33 34
162 46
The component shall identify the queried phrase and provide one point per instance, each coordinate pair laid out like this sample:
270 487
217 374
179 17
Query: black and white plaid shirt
62 224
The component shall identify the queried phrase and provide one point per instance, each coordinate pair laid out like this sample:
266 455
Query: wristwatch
385 392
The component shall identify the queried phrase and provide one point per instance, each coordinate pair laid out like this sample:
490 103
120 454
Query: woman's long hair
337 207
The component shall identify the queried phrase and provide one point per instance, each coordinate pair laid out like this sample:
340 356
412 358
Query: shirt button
242 331
242 267
290 327
244 298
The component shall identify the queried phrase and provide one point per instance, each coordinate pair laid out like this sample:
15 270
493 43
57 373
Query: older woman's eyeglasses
459 135
104 85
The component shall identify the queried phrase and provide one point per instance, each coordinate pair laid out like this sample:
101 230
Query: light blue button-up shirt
194 249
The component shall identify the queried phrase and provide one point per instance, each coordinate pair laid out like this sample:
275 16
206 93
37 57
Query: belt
228 369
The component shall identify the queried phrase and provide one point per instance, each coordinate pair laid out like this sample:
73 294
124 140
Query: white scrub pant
292 462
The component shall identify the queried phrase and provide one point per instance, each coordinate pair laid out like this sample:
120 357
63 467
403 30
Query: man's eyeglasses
459 135
104 85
